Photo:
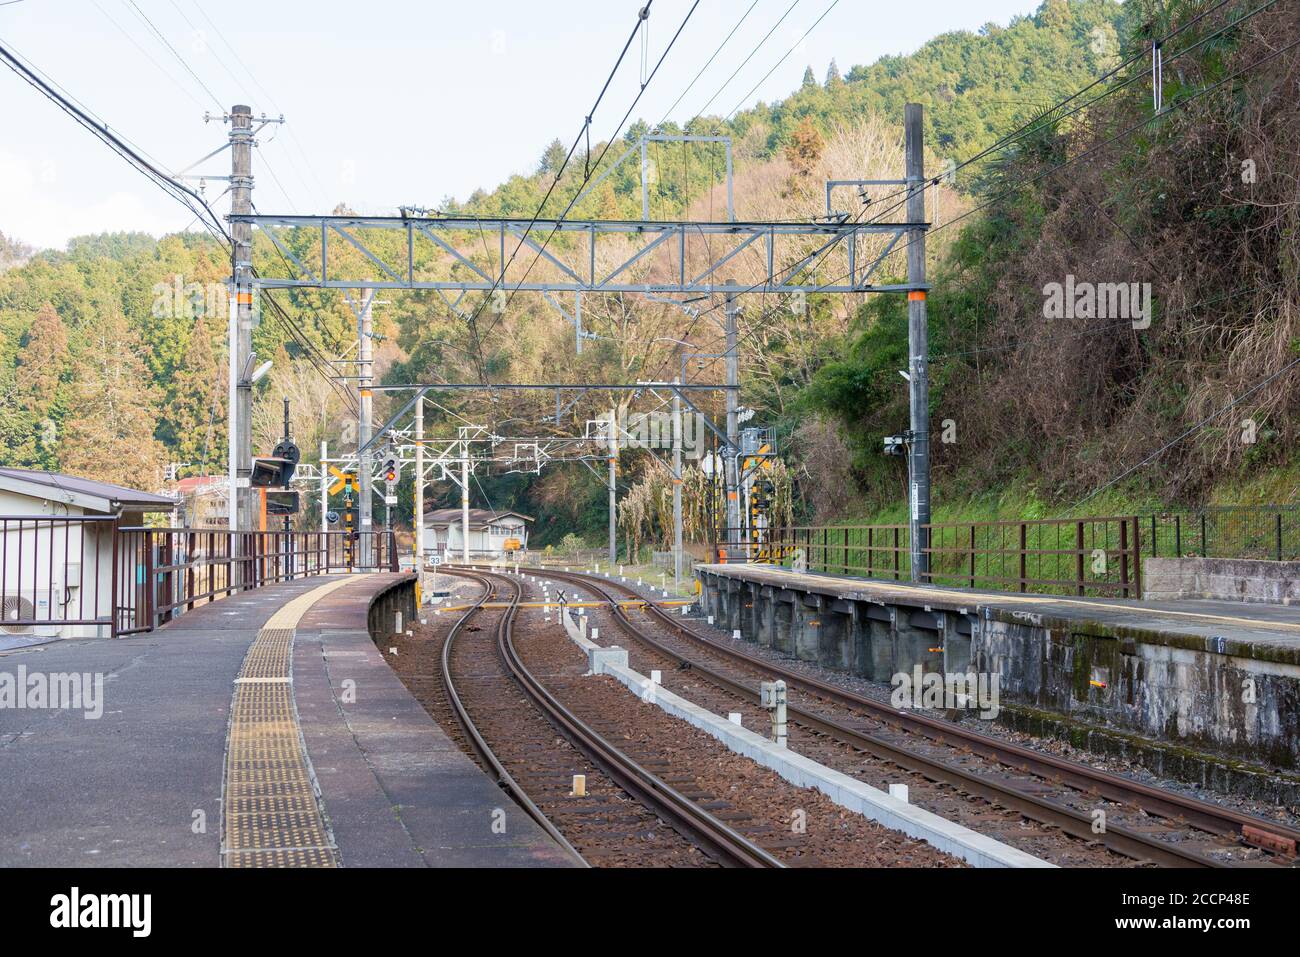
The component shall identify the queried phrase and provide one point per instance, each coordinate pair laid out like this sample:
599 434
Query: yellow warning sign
341 480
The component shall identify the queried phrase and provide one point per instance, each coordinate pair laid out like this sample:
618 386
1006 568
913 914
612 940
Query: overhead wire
821 254
578 192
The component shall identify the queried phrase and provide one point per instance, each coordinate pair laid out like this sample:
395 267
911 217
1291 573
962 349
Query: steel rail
1206 817
728 846
489 758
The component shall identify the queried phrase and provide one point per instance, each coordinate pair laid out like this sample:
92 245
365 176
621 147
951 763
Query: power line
177 190
148 56
80 103
700 111
1050 116
588 173
293 137
834 4
471 322
180 59
725 41
1030 180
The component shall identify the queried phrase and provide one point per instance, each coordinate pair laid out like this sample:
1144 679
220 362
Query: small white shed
56 553
488 532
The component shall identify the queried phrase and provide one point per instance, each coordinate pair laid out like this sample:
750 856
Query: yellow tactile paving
271 816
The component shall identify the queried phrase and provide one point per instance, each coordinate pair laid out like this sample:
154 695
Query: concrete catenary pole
419 482
239 434
324 486
677 487
464 496
613 488
918 345
365 427
731 483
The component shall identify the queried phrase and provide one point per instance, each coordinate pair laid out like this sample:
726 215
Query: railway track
511 721
1144 823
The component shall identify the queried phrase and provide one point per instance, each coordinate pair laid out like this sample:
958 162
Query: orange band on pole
916 295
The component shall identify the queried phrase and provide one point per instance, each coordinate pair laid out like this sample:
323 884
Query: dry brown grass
1077 401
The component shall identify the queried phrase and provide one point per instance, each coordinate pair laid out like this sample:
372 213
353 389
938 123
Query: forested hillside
112 351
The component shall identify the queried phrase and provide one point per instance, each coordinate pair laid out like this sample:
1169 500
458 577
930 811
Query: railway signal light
287 452
269 472
276 470
282 502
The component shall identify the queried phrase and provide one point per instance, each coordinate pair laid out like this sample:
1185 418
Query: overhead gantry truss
469 254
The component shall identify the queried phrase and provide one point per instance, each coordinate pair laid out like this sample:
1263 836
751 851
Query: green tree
42 374
110 434
552 158
193 415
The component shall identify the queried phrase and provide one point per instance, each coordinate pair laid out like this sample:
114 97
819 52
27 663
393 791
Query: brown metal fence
80 576
56 571
1073 556
1092 556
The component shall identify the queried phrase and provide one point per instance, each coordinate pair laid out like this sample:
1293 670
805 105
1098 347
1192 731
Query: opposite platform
1215 677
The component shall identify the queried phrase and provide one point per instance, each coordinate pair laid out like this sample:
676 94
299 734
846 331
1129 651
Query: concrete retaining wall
1231 697
1171 579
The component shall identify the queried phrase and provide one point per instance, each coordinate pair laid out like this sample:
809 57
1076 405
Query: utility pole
239 433
287 439
419 483
464 495
614 473
365 424
731 483
324 487
677 486
918 346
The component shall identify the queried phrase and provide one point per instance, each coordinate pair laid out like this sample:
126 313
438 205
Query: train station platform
264 729
1215 678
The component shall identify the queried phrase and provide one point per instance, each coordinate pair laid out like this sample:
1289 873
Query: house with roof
490 532
203 501
64 559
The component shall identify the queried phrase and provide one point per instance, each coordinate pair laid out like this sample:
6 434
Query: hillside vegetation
112 366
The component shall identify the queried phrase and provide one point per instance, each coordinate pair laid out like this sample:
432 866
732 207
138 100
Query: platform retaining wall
1198 708
397 598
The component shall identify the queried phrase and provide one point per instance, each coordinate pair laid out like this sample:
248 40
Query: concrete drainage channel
874 804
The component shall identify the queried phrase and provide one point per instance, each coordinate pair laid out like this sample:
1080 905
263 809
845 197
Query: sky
386 103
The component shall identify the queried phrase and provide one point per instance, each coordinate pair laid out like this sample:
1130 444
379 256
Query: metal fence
56 573
1263 532
1073 556
1093 556
84 576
